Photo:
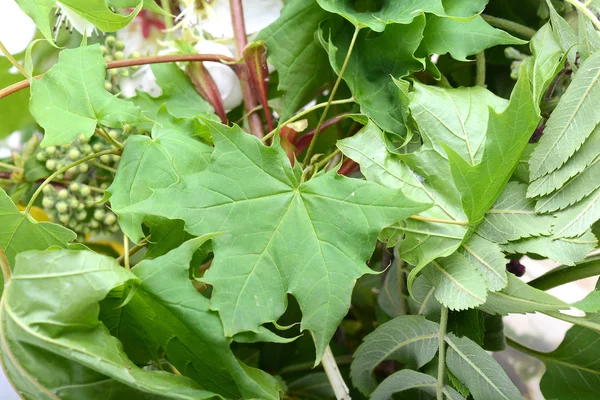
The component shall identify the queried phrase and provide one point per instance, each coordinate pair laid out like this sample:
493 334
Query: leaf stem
331 96
10 167
480 62
303 113
581 321
326 160
335 377
143 243
13 60
62 170
107 137
438 220
130 62
126 252
525 349
521 30
585 11
442 354
104 167
6 274
565 274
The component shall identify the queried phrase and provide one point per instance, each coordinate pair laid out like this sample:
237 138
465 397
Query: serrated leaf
424 241
20 232
520 298
373 64
588 38
458 283
52 333
410 340
477 369
405 380
513 217
573 369
178 93
422 300
291 46
394 12
173 313
280 235
148 164
562 250
547 60
577 219
575 165
564 34
589 304
571 123
489 260
463 38
70 98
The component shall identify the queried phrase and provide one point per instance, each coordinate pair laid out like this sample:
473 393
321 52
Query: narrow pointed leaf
577 219
411 380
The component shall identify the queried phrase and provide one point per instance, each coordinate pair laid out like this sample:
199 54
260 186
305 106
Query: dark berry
515 267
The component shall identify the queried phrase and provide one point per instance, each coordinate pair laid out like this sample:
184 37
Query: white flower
214 17
70 17
16 28
227 81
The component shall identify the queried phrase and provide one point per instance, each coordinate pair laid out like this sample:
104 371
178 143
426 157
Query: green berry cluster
75 207
112 50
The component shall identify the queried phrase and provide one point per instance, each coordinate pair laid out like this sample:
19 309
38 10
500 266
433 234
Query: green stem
143 243
308 366
303 113
521 30
101 132
581 321
6 274
438 220
104 167
524 349
480 62
565 274
13 61
442 354
331 96
326 160
10 167
585 11
166 5
335 377
63 170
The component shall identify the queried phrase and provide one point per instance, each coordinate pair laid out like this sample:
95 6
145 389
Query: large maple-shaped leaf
281 235
70 99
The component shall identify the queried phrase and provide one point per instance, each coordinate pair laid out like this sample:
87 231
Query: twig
480 62
331 96
335 377
521 30
143 243
126 252
326 160
438 220
230 61
442 354
10 167
108 138
13 61
565 274
239 33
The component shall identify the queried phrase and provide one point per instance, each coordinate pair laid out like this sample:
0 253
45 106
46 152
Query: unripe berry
51 164
110 219
74 154
113 134
108 58
84 190
124 73
60 164
127 128
83 139
72 171
81 215
108 86
48 189
120 45
135 54
103 49
97 147
99 215
63 194
74 187
110 41
94 224
47 202
62 207
41 156
73 203
87 149
115 158
64 219
105 158
83 168
51 151
114 228
119 55
113 72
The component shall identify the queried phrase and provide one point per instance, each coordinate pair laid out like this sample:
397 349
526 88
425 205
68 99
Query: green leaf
419 175
292 47
410 340
562 250
547 60
489 260
39 12
477 369
571 123
513 217
588 38
19 232
577 219
469 323
14 110
422 300
520 298
54 333
590 304
376 15
282 235
70 98
174 314
463 38
573 369
178 93
391 297
374 62
507 135
148 164
564 34
557 179
411 380
314 386
458 283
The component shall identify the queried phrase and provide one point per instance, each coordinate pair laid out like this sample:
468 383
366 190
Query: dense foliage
362 213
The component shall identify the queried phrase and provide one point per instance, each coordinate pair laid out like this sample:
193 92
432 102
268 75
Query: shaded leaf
408 380
489 260
588 38
70 98
14 111
577 219
392 296
48 332
410 340
280 235
314 386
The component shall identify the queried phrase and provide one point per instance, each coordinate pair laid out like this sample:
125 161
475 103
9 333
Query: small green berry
113 72
72 171
74 154
98 147
104 185
103 49
108 86
47 190
113 134
62 207
64 218
51 151
98 199
105 158
47 202
81 215
87 149
51 165
115 158
84 190
110 41
124 73
73 203
80 206
83 168
110 219
94 224
127 128
63 194
114 228
60 164
120 45
119 55
108 58
41 156
135 54
83 139
60 176
99 214
74 187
